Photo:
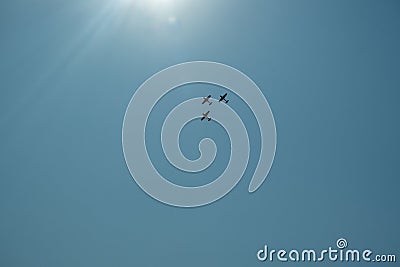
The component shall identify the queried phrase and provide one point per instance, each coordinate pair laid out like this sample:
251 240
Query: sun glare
159 10
148 3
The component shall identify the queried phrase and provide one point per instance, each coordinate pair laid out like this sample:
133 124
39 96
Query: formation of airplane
207 100
205 116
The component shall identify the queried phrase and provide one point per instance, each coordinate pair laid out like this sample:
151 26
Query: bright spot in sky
149 3
160 11
172 20
159 1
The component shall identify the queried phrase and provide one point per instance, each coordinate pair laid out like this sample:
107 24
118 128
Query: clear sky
329 69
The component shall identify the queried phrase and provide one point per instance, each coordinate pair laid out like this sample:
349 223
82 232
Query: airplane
222 97
206 99
205 116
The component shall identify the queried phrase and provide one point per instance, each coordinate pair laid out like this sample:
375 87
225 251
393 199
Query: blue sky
330 72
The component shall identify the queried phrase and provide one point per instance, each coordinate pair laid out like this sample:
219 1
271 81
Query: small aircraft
222 97
206 99
205 116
